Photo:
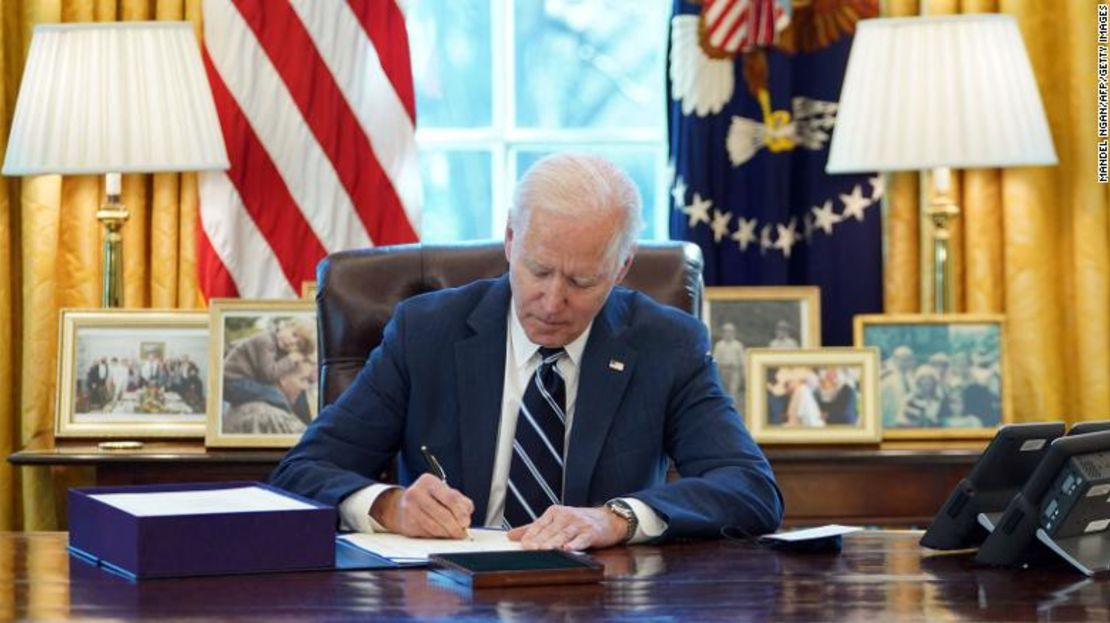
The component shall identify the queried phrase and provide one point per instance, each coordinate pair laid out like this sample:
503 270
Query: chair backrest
357 291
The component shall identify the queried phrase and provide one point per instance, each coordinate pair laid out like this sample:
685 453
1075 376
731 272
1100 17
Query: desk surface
880 576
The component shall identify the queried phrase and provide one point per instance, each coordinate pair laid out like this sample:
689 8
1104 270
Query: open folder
402 549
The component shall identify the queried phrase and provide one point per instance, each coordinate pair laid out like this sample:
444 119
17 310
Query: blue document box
207 542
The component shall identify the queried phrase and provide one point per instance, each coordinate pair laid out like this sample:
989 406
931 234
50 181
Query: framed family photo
743 317
264 377
818 395
941 376
132 374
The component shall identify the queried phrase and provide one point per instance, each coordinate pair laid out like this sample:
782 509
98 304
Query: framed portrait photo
264 375
813 395
132 373
941 376
743 317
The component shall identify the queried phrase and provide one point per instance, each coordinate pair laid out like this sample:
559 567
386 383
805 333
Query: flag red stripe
385 25
313 88
215 280
264 193
741 22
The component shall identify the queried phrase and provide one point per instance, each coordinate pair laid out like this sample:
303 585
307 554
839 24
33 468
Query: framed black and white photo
941 376
813 396
264 372
132 373
743 317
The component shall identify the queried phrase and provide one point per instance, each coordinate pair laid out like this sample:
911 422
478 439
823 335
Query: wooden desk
879 577
893 486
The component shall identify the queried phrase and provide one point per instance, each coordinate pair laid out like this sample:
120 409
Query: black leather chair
357 291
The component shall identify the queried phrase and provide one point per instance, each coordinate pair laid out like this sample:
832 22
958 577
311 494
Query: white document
813 533
201 502
400 548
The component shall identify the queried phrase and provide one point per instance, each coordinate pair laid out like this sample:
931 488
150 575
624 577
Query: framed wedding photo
132 374
743 317
942 376
264 376
813 395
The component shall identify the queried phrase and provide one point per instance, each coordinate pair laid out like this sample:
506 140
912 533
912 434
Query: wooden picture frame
964 356
757 316
132 374
813 395
264 375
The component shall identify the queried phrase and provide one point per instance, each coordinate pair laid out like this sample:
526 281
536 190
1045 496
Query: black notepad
517 568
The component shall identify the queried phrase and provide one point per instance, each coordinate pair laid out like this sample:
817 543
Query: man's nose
554 295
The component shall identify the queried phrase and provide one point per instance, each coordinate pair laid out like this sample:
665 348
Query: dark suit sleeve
353 440
726 480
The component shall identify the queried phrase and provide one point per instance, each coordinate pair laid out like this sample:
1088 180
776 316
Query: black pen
433 463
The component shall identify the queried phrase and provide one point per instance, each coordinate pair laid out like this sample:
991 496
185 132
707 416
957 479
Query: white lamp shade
126 97
948 91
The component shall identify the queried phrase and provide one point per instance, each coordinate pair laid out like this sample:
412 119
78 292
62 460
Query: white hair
578 184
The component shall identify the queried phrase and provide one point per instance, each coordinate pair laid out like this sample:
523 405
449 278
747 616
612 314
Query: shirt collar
524 349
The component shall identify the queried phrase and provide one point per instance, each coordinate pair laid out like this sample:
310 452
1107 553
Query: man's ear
509 243
627 263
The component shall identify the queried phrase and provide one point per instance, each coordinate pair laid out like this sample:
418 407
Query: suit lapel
607 365
480 362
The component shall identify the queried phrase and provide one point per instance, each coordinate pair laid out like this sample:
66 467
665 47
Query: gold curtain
50 256
1031 243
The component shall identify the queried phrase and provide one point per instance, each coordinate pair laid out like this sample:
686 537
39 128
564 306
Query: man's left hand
571 528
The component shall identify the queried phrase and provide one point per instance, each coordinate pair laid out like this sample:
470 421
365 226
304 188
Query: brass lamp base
112 215
940 211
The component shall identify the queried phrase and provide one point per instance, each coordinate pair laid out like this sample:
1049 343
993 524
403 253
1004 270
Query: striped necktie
536 472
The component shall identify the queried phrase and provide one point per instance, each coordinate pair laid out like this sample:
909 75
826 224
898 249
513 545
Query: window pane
639 163
457 202
451 62
590 63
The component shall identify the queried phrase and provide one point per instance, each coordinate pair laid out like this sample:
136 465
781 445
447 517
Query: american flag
315 99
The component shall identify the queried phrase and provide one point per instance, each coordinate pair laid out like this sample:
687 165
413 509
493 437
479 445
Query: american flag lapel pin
616 365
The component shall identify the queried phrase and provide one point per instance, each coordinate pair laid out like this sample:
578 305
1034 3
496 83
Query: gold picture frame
813 396
132 374
264 374
964 355
757 316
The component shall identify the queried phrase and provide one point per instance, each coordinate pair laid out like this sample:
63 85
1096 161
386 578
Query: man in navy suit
459 371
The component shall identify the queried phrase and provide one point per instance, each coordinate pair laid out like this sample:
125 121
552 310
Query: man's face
562 269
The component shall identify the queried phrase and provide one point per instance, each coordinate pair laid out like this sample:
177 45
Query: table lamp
942 92
113 98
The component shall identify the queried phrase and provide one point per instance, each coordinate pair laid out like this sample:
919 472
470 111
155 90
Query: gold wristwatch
623 509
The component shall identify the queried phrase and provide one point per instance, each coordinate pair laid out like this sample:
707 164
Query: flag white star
854 204
824 218
678 193
878 187
807 222
698 211
720 224
765 239
788 235
745 232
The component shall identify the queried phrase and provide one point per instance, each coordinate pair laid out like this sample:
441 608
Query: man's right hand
427 508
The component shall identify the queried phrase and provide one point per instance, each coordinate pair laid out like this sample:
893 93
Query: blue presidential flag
753 88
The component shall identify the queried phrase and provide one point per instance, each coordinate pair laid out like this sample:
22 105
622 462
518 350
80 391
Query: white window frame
503 140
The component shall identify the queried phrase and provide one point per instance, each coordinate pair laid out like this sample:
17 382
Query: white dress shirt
521 360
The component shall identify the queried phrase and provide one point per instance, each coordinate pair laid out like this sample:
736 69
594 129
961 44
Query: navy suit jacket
437 380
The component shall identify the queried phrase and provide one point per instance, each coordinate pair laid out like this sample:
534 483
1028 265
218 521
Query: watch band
623 509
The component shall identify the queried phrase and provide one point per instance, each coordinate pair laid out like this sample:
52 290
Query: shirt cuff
354 511
649 524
